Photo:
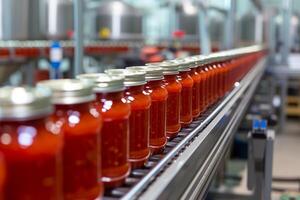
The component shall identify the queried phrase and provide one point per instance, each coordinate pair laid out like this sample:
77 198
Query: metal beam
230 25
205 44
78 24
285 31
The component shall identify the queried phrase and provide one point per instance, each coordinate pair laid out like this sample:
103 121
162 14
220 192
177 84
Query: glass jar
158 112
187 83
31 144
214 67
223 79
2 176
81 125
216 80
115 112
203 87
227 76
196 108
174 88
139 120
210 84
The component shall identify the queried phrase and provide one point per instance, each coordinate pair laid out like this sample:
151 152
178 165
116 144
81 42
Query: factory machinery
190 161
187 166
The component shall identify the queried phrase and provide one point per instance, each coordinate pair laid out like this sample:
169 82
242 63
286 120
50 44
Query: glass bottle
159 96
139 120
115 112
204 100
174 88
2 176
187 83
31 144
81 126
196 106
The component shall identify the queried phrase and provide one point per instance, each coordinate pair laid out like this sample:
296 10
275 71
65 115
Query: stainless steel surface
19 20
189 24
87 43
78 23
23 103
230 25
69 91
216 26
259 4
7 70
247 27
250 28
36 19
115 20
66 43
209 20
281 75
56 18
285 42
204 37
229 54
197 189
260 153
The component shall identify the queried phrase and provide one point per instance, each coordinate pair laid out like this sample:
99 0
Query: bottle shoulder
80 123
139 101
30 139
187 81
113 109
173 86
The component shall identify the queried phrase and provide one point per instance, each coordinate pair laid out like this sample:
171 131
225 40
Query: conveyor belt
189 161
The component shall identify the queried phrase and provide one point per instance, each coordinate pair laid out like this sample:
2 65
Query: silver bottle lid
132 77
183 65
192 62
169 68
103 82
24 103
69 91
201 60
152 72
154 64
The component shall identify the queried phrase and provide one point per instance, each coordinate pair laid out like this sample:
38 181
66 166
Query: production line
149 99
226 83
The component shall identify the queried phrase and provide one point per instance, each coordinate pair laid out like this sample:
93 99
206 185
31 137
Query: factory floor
286 164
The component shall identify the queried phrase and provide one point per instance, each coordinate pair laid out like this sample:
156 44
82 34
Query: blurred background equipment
53 39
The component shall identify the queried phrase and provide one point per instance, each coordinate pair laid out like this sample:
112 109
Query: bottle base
196 114
185 121
157 148
172 131
92 194
172 135
115 181
139 162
